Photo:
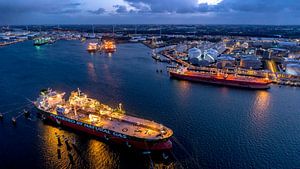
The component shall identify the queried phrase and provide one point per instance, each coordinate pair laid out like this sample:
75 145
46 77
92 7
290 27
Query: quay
277 78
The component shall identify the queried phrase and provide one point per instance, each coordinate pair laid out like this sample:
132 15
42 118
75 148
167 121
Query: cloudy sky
149 12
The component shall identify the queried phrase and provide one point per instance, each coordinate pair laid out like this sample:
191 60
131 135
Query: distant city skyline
261 12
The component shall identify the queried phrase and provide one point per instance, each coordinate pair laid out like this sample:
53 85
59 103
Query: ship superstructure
42 41
109 46
93 47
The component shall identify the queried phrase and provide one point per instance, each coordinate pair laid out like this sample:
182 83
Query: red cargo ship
221 79
89 115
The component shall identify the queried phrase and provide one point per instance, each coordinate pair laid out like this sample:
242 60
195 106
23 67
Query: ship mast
78 91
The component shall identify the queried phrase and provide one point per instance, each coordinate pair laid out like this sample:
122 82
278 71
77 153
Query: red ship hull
220 81
131 143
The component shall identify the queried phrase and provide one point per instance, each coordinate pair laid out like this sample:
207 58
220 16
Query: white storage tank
195 53
293 69
211 55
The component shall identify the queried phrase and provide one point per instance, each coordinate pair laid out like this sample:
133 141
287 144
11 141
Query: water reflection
100 156
224 91
261 106
184 90
37 47
92 71
87 152
53 154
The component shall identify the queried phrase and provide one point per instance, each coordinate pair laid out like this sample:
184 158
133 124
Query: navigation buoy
71 158
26 113
58 153
14 121
69 148
58 141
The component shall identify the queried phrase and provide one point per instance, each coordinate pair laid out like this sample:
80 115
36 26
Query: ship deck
124 124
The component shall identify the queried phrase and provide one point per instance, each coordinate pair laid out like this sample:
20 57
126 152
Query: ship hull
107 135
109 50
91 50
216 81
39 44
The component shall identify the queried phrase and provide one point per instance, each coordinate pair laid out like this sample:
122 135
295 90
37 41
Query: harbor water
214 126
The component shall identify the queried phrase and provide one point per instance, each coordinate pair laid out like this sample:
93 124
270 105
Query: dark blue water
214 127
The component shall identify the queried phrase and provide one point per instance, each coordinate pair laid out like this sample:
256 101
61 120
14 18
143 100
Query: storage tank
195 53
211 55
225 61
250 62
293 69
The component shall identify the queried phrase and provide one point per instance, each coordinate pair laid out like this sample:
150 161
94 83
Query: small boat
92 47
41 41
109 46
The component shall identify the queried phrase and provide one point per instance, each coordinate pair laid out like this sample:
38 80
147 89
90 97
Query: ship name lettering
119 135
63 118
103 130
79 123
89 126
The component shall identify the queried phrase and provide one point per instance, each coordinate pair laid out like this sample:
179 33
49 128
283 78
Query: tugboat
92 47
41 41
88 115
220 78
109 46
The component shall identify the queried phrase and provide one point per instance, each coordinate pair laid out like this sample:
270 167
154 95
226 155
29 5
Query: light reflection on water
92 71
184 90
261 106
100 156
88 152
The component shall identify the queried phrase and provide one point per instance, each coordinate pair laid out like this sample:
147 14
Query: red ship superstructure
221 78
89 115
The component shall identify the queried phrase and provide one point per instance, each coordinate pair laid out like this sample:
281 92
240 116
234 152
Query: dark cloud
160 11
263 5
164 6
192 6
73 4
98 11
121 9
64 11
17 7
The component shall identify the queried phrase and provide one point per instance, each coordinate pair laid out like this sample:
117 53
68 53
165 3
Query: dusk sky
150 12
